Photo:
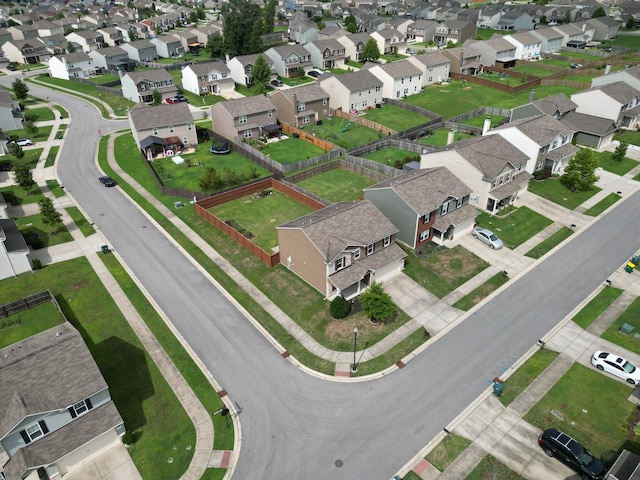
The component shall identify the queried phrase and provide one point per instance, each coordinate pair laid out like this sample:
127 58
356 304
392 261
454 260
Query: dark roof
593 125
14 241
151 140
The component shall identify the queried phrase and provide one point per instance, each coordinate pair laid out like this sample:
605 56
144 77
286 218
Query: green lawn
480 293
584 397
602 205
260 216
619 168
140 393
19 326
490 468
105 78
291 150
391 155
17 196
337 185
439 137
340 132
632 137
526 373
395 117
38 235
54 187
445 452
42 114
553 190
81 222
549 243
443 272
515 228
452 100
596 306
478 120
531 69
61 112
51 157
41 136
630 316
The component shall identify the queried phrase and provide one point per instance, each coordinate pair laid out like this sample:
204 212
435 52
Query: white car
617 366
24 142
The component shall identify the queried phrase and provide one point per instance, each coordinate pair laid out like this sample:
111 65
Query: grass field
341 132
526 374
553 190
41 114
38 235
19 326
630 316
480 293
596 306
439 137
337 185
515 228
619 168
395 117
549 243
390 155
291 150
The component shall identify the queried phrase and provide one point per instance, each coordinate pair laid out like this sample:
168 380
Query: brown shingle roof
247 105
145 117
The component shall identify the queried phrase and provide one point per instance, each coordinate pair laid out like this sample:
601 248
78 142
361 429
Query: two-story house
528 46
139 86
341 249
491 166
353 91
248 117
425 205
515 20
605 28
354 45
11 116
168 46
455 31
86 40
302 105
434 67
630 76
112 36
241 67
545 140
494 51
399 79
57 410
421 31
301 29
616 101
289 60
28 51
388 40
162 129
71 65
326 54
551 40
209 78
464 61
141 50
14 251
112 59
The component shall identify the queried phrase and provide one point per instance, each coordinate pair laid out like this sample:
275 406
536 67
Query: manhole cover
339 463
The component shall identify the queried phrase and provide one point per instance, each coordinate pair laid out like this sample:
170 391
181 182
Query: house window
364 103
155 131
426 218
430 79
339 264
248 134
171 129
356 254
459 202
424 235
301 106
324 101
444 208
305 119
386 241
185 140
406 92
378 88
398 94
83 406
242 119
189 126
430 69
370 249
270 113
33 432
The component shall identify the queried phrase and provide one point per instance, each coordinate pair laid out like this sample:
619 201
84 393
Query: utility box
498 388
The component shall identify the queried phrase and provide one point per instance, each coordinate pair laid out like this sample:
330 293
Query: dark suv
571 453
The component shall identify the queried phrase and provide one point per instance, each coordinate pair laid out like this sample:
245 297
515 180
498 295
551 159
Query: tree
339 307
210 180
370 51
215 46
24 176
261 72
157 97
31 127
599 12
620 152
71 48
567 18
543 20
50 216
631 23
20 89
579 175
351 24
268 14
240 17
378 304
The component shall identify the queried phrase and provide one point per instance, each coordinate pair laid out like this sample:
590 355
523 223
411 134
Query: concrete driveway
114 463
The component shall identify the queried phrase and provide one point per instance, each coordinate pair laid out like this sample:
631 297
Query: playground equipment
346 127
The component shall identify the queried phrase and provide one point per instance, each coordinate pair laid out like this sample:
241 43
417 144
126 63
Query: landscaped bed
337 185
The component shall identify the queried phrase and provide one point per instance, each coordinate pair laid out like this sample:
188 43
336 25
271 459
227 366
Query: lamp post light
354 368
101 102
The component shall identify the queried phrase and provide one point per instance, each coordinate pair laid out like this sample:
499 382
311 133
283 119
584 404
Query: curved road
298 426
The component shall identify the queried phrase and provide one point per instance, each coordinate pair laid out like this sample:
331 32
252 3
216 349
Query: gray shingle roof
581 122
342 225
526 38
400 69
360 80
357 270
155 75
145 117
425 190
111 52
76 57
305 93
205 68
247 105
542 129
14 241
619 91
432 59
555 103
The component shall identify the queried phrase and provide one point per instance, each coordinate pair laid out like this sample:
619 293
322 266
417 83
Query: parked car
617 366
11 67
314 73
23 142
277 82
107 181
576 65
488 237
181 98
572 454
172 100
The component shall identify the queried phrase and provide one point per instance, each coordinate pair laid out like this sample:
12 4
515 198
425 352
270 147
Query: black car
572 454
11 67
107 181
277 83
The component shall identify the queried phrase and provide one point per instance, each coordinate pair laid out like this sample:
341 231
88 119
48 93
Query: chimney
226 58
607 69
486 126
450 137
532 95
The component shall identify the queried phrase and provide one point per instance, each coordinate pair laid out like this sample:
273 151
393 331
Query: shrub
37 264
129 438
378 304
339 307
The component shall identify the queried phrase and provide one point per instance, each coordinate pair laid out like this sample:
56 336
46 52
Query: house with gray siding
141 50
551 40
166 129
617 101
240 118
289 60
139 86
326 54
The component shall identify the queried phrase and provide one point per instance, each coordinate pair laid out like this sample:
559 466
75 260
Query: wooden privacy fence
28 302
364 122
201 209
498 86
290 130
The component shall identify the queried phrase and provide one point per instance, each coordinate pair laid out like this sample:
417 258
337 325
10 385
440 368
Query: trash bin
105 248
628 269
498 388
59 135
635 259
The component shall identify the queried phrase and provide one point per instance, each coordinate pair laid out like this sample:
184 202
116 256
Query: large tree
50 216
370 51
580 172
240 18
268 16
20 89
599 12
261 72
351 24
215 46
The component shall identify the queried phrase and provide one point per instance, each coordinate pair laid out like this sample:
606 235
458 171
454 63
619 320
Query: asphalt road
297 426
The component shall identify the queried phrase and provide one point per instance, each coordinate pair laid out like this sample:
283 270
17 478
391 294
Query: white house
208 78
71 65
352 91
399 79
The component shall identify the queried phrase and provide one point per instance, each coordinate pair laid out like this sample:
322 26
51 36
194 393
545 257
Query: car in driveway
277 83
23 142
615 365
314 73
107 181
570 452
488 237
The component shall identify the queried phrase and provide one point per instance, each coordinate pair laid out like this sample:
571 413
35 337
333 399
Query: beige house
491 166
434 67
248 117
139 86
341 249
353 91
302 105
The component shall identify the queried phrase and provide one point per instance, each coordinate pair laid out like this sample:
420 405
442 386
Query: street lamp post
101 102
354 368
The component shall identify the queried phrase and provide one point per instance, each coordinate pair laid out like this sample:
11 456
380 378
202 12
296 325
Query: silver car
488 237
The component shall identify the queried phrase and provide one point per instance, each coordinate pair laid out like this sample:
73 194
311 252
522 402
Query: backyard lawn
553 190
340 131
439 137
291 150
19 326
260 216
395 117
391 155
516 227
337 185
478 120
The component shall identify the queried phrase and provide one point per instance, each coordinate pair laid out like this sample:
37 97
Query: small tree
370 51
24 176
50 216
339 307
157 97
620 152
210 180
599 12
378 304
31 127
20 89
580 172
16 151
631 23
261 72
